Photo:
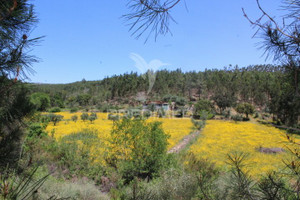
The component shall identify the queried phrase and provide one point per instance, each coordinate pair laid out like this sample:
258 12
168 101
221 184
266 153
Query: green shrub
206 174
68 153
226 113
52 118
151 107
74 118
161 113
113 117
55 109
245 119
256 115
180 113
41 101
138 149
73 110
240 184
147 114
92 118
245 108
204 104
198 124
137 113
128 114
173 184
237 117
133 113
36 130
104 108
84 116
180 101
94 115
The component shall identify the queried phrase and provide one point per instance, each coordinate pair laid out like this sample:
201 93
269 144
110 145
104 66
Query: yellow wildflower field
67 126
176 128
219 138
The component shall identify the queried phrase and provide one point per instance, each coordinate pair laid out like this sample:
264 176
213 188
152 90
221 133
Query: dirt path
186 140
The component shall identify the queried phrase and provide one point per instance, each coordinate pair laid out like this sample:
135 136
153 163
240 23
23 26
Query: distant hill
252 84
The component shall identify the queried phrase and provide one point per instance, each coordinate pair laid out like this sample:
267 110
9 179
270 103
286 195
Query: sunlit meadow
219 138
176 128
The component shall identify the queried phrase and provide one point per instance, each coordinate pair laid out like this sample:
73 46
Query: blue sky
90 40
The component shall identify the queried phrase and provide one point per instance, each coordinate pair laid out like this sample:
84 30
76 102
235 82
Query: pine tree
16 19
281 40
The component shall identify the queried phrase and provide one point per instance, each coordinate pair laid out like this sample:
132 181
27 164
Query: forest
267 87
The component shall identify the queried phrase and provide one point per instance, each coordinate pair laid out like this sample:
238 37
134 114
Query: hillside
254 84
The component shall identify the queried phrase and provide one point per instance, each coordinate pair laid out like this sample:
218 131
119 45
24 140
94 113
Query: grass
76 189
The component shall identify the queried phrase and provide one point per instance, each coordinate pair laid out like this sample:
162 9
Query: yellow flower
219 138
176 128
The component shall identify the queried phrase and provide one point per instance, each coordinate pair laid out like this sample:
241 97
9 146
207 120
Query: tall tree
282 42
16 19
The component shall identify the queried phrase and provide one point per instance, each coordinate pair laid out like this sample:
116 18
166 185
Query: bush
226 113
41 101
73 153
137 113
52 118
74 118
147 114
173 184
84 116
179 101
245 108
151 107
133 113
180 113
36 130
198 124
206 174
204 107
73 110
137 148
55 109
205 115
245 119
113 117
224 100
271 186
92 118
104 108
94 115
161 113
237 117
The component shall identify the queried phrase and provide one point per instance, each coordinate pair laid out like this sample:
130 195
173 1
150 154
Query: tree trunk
296 82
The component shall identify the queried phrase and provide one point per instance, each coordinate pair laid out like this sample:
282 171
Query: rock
270 150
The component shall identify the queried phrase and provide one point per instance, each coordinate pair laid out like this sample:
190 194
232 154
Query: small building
158 105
